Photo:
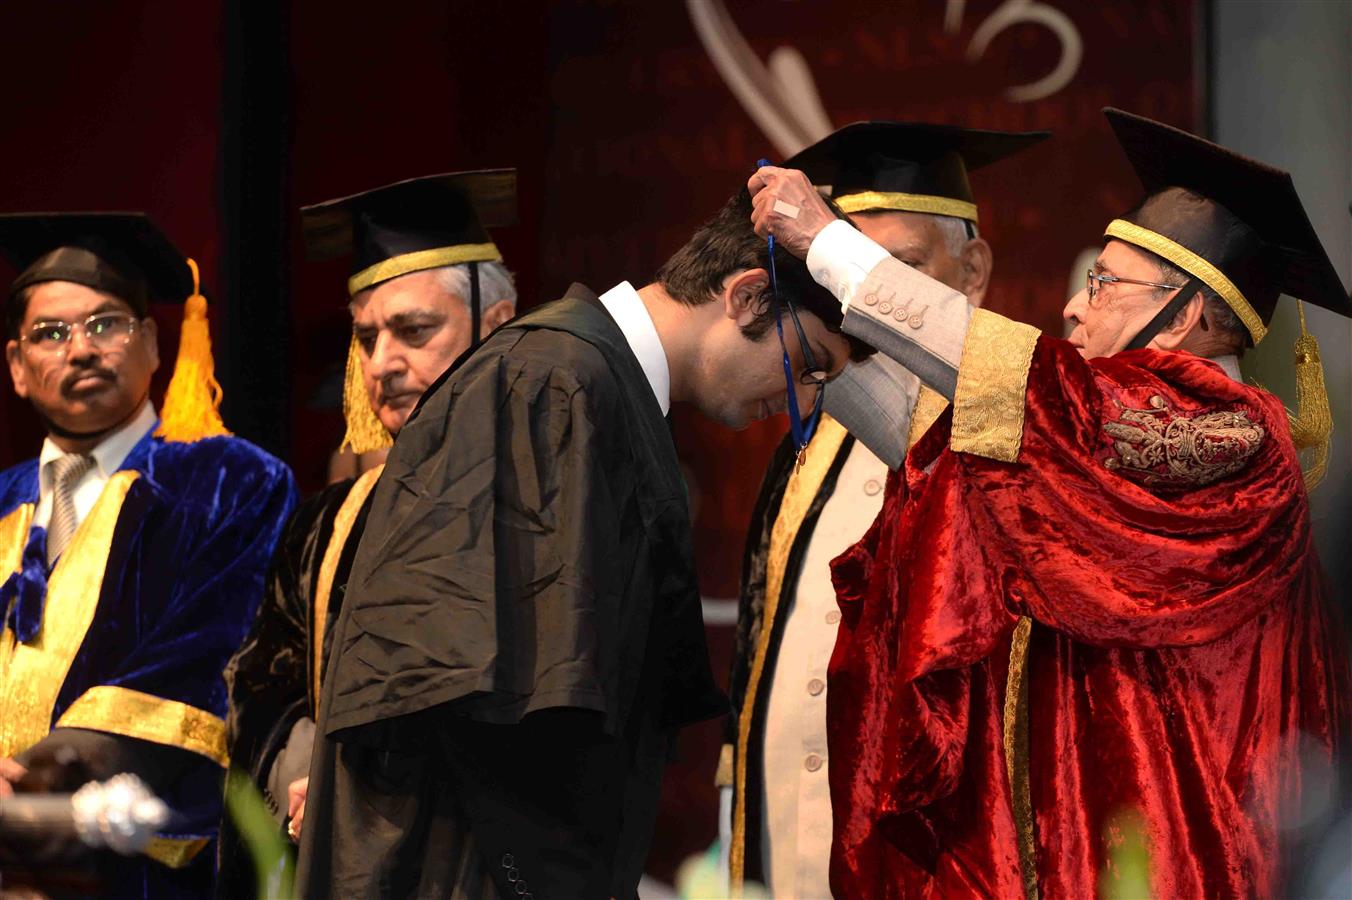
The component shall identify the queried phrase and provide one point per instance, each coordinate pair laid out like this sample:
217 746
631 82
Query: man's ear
16 372
975 264
150 337
496 315
1172 336
744 295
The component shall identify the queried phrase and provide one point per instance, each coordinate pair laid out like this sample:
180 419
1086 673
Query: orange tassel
192 404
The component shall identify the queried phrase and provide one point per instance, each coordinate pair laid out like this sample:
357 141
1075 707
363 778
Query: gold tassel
365 433
192 403
1312 423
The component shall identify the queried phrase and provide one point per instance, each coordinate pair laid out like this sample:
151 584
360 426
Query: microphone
120 814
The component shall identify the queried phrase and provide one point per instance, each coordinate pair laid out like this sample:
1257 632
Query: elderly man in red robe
1091 604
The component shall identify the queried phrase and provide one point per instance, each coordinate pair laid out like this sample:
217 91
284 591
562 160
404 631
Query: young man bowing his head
522 632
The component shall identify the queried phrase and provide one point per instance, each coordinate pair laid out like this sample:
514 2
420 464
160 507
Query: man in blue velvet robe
132 551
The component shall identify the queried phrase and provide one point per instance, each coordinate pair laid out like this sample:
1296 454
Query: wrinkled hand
295 805
785 204
10 772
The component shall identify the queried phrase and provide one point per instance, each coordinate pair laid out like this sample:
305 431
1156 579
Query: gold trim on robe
929 406
1016 753
37 670
989 401
13 538
343 522
131 713
175 852
803 485
903 202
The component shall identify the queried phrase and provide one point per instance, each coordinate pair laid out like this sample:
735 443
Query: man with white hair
427 285
904 186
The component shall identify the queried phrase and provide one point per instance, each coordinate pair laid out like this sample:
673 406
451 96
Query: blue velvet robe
135 624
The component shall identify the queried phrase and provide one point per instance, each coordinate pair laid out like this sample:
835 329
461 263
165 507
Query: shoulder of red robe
1151 431
1162 444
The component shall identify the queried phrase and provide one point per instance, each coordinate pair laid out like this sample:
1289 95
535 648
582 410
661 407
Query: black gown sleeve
269 677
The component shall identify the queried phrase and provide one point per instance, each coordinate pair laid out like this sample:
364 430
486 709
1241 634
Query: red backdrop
110 111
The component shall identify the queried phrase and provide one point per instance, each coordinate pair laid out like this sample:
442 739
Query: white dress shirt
795 793
626 308
108 458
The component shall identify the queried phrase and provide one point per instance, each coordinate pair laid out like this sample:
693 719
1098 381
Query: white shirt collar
626 308
1230 365
112 451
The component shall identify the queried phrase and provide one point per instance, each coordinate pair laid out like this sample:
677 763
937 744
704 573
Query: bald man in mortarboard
132 549
905 185
427 283
1090 610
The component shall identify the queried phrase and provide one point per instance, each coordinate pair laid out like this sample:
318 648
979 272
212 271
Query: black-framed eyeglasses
1095 280
107 331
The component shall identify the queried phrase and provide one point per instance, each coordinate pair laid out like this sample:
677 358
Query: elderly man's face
98 377
914 238
409 330
1106 324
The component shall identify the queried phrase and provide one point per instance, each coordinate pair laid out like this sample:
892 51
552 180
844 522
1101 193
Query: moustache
95 372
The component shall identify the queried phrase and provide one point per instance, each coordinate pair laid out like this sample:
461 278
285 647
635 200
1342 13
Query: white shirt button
813 762
816 686
832 616
872 487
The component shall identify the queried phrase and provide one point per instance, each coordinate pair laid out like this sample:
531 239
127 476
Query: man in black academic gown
414 311
522 632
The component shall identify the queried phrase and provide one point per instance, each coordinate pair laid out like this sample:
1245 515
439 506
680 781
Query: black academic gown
272 678
521 637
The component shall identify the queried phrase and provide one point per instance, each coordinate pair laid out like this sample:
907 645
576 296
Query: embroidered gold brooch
1158 446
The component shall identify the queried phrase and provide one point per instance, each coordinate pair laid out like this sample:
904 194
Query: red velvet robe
1155 529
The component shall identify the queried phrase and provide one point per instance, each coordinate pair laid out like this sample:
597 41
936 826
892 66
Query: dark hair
16 307
727 244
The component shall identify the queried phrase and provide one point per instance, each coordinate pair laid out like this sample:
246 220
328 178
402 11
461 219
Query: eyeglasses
812 373
1095 280
107 331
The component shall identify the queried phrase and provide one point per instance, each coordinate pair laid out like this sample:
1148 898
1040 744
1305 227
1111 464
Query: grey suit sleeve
874 400
912 318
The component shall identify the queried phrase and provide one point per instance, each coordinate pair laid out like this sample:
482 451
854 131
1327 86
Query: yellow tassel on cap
1312 423
365 433
192 404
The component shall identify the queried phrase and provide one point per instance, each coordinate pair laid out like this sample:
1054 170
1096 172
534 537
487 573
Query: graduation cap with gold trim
1237 226
409 226
125 254
906 166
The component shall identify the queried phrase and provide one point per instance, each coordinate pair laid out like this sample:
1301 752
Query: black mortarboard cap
1233 222
907 166
421 223
120 253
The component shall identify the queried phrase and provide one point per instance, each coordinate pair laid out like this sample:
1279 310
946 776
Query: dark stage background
629 123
